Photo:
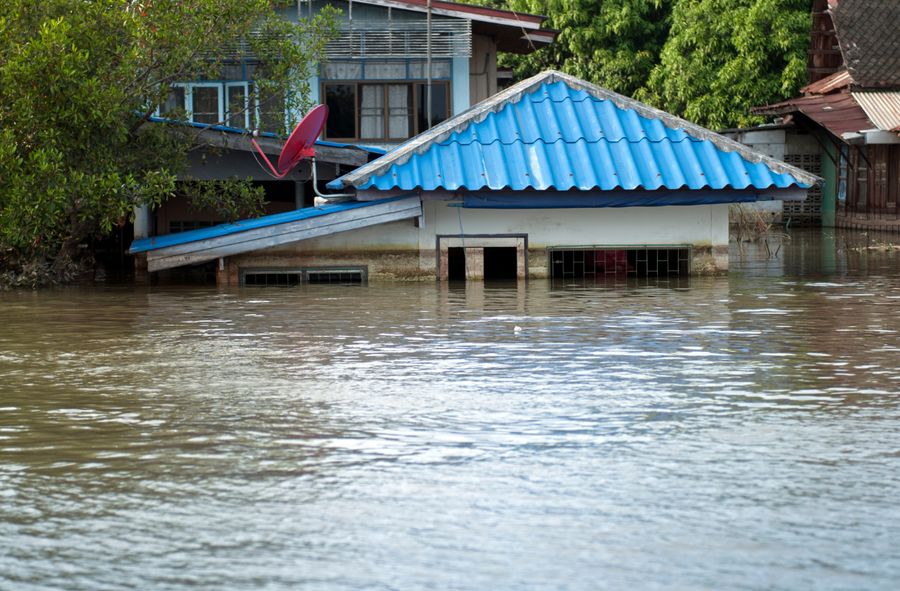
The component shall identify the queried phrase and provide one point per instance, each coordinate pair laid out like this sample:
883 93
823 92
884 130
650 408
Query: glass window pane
399 111
342 71
439 69
174 102
237 107
440 105
341 101
206 104
271 110
385 70
371 111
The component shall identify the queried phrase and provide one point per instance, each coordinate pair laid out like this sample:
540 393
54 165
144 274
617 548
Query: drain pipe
322 199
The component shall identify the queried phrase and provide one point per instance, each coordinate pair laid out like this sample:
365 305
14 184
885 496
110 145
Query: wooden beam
235 141
276 235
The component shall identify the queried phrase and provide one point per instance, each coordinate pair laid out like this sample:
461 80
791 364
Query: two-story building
397 68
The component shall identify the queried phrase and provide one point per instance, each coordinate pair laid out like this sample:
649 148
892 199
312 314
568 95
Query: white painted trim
879 136
459 85
511 21
189 97
246 106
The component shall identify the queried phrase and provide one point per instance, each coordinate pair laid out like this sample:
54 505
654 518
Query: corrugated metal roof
836 81
838 113
556 131
883 108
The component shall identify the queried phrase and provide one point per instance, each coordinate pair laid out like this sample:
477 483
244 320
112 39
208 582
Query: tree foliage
613 43
723 57
78 81
706 60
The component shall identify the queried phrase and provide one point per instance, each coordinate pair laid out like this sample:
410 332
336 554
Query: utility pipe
322 199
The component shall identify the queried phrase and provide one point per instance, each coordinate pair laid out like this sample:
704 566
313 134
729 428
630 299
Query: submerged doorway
456 264
487 257
500 263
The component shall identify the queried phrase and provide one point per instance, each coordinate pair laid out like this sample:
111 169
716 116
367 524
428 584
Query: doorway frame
474 245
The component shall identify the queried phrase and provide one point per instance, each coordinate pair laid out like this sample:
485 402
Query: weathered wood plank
287 227
212 254
251 240
233 141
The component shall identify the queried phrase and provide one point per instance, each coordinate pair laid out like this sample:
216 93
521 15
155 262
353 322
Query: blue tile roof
554 131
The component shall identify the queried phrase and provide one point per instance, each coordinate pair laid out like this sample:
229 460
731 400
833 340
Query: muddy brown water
729 433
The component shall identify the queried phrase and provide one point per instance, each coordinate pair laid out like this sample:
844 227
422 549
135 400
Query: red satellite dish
300 144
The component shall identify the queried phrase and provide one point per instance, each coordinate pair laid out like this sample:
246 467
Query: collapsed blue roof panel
557 132
166 240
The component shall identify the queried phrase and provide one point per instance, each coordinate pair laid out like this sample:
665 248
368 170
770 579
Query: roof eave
470 11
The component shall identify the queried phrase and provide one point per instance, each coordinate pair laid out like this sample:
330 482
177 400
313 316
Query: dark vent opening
273 279
341 277
295 277
619 263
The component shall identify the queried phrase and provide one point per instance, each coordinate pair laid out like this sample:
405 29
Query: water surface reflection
735 432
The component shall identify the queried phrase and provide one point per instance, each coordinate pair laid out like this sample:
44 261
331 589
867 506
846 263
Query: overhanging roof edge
422 142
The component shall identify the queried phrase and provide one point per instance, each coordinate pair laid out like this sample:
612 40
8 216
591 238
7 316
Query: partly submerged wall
413 249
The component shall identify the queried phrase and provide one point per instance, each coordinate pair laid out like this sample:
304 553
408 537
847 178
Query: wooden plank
249 246
233 141
283 234
297 225
408 208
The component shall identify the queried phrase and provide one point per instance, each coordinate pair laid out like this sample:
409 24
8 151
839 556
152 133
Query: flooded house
396 68
552 177
846 124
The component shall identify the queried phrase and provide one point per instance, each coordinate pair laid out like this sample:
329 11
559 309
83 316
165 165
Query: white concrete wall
459 86
408 248
699 225
482 69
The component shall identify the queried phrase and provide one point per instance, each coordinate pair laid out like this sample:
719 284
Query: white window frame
245 107
159 113
189 99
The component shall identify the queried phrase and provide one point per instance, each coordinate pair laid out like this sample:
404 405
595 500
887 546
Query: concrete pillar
227 273
141 230
141 222
474 263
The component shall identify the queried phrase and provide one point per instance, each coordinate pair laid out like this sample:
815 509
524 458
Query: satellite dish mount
299 145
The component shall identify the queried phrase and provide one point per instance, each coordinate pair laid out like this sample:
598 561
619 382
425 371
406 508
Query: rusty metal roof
838 113
836 81
868 32
883 108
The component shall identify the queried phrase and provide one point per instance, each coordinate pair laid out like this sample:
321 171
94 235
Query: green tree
78 81
723 57
613 43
